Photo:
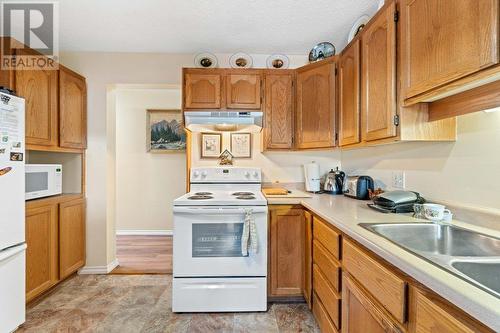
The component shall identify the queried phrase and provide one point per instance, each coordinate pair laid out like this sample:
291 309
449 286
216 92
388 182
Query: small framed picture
241 144
165 133
211 144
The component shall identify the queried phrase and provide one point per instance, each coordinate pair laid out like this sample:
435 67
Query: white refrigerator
12 213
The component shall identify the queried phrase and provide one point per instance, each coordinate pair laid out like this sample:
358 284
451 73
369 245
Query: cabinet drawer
428 315
330 268
384 285
322 317
327 237
327 295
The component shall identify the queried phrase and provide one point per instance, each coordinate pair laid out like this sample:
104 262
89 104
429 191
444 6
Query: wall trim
86 270
144 232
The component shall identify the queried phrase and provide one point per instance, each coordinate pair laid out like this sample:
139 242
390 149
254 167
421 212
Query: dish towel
249 237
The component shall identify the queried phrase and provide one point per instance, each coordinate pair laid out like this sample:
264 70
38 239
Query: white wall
102 70
285 167
465 172
146 183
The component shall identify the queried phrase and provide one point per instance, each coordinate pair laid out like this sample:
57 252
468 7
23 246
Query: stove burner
244 194
203 193
245 197
200 197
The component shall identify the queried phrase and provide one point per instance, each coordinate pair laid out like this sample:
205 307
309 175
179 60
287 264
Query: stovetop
213 197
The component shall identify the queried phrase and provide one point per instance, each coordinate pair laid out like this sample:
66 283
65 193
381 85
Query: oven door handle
219 210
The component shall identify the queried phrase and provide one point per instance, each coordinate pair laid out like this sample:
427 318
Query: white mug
435 212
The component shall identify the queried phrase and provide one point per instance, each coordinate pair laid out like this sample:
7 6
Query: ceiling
217 26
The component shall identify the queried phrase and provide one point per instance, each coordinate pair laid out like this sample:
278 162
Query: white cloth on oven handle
249 235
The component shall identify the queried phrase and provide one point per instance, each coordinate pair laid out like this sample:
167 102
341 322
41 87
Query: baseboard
144 232
86 270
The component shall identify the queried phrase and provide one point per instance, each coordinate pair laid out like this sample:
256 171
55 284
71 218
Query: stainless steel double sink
470 255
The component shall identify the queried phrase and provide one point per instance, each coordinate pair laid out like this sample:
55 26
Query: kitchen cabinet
361 314
72 109
71 236
428 315
202 90
308 258
315 111
278 110
349 95
286 251
243 90
7 76
378 77
42 252
445 40
40 90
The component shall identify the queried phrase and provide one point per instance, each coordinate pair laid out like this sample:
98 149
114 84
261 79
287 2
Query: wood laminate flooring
142 304
143 255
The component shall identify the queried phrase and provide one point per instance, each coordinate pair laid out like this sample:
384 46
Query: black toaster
357 187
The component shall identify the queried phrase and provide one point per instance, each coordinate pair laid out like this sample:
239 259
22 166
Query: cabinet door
40 89
378 77
7 76
42 252
278 111
71 236
360 314
308 258
202 91
349 93
243 91
316 107
286 251
72 109
445 40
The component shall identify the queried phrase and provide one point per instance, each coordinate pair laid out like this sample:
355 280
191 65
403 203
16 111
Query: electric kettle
334 181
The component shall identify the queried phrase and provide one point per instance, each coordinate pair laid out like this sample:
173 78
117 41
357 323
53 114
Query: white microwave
43 180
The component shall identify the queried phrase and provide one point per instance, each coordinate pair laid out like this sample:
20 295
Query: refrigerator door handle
11 251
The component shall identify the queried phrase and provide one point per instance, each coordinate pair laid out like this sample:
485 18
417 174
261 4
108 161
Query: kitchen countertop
346 214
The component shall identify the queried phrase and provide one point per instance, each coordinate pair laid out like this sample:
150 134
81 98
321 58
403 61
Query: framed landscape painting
165 132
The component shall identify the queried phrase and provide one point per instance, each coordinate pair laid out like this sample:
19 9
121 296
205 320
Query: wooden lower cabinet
55 236
42 252
324 322
308 258
286 250
360 313
71 236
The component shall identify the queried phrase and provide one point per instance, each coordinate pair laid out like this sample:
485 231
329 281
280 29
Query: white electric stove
210 272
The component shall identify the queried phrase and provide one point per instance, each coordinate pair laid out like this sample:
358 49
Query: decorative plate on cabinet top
321 51
241 60
205 60
357 27
278 61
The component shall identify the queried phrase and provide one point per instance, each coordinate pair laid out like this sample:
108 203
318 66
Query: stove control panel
226 175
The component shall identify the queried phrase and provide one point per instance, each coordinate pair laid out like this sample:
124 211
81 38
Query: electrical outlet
398 179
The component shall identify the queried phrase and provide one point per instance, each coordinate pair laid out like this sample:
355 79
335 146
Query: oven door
207 242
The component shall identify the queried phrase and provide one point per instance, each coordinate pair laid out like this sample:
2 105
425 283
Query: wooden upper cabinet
361 314
278 111
202 91
445 40
286 251
243 91
349 95
72 109
39 88
378 77
71 236
42 252
315 112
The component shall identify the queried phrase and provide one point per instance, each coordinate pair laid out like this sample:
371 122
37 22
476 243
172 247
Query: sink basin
484 273
439 239
469 255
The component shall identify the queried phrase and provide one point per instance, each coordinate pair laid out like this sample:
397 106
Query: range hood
210 119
